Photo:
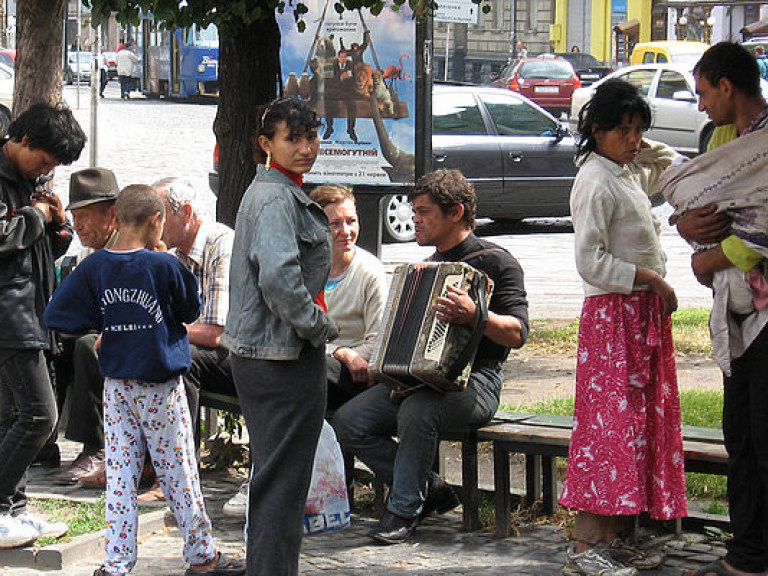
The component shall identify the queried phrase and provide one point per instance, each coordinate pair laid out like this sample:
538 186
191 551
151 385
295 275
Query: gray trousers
283 404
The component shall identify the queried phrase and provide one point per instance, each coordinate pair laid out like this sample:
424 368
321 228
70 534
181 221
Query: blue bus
179 63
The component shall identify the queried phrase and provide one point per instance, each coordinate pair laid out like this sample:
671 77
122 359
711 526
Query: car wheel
706 136
398 219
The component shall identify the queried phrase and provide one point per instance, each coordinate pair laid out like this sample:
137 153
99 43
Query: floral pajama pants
141 416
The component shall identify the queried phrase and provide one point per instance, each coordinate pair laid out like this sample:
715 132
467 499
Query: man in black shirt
444 214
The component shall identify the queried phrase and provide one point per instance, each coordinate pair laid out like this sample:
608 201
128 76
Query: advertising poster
358 72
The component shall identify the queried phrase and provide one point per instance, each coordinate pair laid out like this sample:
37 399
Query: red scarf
298 179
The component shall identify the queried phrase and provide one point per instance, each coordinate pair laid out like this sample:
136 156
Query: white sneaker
238 504
44 528
14 534
594 562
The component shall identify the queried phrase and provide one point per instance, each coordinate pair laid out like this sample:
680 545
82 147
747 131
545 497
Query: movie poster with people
358 72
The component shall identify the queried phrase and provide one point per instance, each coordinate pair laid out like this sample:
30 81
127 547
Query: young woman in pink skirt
626 453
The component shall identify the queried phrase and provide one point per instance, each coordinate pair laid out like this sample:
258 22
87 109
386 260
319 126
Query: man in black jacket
444 204
33 232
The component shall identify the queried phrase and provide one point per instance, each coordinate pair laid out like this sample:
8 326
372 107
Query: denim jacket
281 258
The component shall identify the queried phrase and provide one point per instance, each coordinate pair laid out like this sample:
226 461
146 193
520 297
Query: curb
91 545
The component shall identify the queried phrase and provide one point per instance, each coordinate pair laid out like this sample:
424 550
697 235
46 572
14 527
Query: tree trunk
247 56
39 25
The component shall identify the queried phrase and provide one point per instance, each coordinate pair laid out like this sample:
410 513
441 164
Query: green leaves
231 15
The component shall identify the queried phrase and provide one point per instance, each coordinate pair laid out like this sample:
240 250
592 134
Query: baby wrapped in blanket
734 178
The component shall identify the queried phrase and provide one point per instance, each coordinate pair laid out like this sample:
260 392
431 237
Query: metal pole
77 64
447 48
93 157
511 31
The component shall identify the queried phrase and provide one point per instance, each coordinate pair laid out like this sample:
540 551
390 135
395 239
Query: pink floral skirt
626 451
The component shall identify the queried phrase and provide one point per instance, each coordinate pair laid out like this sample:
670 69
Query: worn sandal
226 566
154 494
716 568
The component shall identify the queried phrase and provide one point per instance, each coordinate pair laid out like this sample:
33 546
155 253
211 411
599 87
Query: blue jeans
366 425
27 417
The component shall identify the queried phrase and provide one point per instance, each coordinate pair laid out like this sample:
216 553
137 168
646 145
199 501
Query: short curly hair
448 189
297 114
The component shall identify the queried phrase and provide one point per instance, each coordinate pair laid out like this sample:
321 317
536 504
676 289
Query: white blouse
615 230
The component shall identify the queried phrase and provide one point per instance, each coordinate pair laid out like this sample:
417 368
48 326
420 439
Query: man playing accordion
444 204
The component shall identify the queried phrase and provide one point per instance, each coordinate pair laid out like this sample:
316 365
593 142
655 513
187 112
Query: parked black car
586 66
518 156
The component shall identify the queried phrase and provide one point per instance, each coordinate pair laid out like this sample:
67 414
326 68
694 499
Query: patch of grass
81 517
702 408
710 487
690 332
716 508
558 406
552 337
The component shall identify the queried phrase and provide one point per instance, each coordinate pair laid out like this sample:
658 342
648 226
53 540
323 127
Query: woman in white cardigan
626 450
355 294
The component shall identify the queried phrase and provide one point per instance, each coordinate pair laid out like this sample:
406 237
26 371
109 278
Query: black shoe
49 456
352 135
440 498
393 529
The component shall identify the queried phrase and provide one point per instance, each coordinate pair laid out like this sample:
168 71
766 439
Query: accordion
414 348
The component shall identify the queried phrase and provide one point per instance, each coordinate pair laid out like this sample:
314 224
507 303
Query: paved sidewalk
439 546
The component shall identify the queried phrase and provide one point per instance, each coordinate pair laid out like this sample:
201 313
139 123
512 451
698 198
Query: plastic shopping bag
327 507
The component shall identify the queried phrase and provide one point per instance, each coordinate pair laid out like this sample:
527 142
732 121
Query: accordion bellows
414 348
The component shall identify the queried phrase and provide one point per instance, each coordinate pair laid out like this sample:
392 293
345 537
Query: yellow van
675 51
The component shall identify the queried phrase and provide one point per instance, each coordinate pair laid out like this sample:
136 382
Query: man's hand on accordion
456 307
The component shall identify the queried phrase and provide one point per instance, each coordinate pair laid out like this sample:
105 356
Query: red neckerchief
298 179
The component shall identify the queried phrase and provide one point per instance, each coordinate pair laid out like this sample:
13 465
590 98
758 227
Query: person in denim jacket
276 333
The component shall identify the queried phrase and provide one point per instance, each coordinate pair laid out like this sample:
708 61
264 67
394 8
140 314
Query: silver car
518 156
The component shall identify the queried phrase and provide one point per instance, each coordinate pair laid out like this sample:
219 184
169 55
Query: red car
549 82
8 56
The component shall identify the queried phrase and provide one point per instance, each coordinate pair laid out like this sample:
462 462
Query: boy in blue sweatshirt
139 300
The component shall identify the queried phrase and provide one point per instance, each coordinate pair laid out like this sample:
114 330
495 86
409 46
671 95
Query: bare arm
706 263
206 335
